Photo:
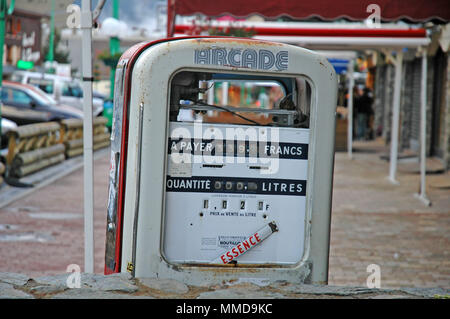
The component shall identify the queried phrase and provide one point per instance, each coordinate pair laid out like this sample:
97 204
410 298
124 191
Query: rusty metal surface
150 72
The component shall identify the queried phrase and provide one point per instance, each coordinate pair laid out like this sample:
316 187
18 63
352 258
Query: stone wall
123 286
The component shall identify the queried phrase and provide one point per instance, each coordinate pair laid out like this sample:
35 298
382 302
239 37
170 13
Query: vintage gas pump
222 160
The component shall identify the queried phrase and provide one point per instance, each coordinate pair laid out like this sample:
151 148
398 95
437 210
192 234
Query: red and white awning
346 36
325 10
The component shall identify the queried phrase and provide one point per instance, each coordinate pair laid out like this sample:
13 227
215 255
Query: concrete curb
123 286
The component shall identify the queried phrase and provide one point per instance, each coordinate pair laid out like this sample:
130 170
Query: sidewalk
42 232
376 222
373 222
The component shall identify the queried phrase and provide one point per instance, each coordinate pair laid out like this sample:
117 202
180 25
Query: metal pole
114 48
395 118
2 36
170 18
86 26
423 130
225 93
210 93
51 40
3 12
2 42
350 109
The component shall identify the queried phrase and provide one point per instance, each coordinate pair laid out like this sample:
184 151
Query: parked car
99 95
26 104
7 125
64 90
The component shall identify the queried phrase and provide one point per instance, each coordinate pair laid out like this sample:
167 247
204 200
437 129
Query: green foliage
441 296
108 59
232 32
204 26
58 55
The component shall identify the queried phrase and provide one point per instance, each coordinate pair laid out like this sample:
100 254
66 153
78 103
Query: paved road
47 225
373 222
376 222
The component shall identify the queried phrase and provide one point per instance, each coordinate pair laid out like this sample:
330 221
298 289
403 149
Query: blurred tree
59 55
232 31
96 72
109 59
204 27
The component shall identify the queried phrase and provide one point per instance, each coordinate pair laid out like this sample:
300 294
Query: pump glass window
240 99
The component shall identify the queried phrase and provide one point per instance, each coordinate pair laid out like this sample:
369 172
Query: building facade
438 102
23 38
